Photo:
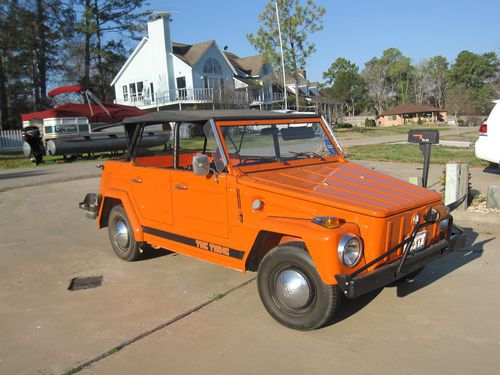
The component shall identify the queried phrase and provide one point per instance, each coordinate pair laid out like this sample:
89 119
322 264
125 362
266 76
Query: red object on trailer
66 89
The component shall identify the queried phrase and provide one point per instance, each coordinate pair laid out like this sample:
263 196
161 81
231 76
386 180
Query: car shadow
446 265
150 252
350 306
493 169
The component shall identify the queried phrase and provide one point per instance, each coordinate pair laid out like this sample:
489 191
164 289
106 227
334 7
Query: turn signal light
329 222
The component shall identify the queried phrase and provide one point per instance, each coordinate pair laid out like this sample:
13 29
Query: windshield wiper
251 160
308 154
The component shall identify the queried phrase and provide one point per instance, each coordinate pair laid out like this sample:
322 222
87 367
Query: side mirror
201 165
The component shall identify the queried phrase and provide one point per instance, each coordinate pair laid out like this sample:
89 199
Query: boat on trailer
73 128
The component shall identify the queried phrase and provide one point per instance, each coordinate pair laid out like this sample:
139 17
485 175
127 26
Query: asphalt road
166 314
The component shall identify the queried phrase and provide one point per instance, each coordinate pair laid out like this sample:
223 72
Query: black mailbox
429 136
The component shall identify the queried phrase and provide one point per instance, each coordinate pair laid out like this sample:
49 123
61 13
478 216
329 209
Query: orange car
272 192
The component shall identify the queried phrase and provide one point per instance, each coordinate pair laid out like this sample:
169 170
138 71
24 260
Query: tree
346 85
102 17
297 23
438 71
473 72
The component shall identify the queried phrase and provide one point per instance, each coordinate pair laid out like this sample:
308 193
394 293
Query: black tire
322 300
411 276
125 248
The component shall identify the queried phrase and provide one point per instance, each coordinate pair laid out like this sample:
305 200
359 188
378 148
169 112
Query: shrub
370 123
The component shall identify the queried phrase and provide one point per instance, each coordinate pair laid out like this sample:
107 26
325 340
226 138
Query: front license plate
418 242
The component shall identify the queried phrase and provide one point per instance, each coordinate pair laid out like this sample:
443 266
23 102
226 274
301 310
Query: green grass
408 153
16 160
382 131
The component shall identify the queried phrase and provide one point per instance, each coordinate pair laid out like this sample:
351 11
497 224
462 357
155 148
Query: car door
151 180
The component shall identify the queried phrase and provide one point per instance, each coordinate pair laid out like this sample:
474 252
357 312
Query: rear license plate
418 242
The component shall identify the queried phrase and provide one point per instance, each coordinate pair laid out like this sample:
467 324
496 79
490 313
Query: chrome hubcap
292 289
121 234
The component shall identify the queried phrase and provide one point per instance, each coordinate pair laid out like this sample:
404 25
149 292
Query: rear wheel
121 235
292 291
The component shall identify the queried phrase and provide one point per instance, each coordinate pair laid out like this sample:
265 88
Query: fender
320 242
129 209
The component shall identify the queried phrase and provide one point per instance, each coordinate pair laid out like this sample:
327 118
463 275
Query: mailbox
424 136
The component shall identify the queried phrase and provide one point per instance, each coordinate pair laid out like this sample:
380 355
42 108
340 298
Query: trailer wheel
292 291
121 235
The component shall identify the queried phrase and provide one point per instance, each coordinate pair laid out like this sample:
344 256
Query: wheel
411 276
292 291
121 235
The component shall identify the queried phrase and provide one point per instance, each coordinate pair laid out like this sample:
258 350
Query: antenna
155 14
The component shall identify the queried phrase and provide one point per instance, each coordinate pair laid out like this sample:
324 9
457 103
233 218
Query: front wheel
292 291
121 235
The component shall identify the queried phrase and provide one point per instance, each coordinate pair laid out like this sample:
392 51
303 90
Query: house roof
191 53
410 108
251 65
205 115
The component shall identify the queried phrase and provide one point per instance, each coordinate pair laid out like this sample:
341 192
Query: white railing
268 98
172 97
11 140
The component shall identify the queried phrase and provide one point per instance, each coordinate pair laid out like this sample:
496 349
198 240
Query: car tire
292 291
121 235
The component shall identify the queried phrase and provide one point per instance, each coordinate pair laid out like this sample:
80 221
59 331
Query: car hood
346 186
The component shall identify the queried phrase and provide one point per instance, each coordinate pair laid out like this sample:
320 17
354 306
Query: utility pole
282 56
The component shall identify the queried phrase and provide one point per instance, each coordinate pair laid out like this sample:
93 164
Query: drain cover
79 283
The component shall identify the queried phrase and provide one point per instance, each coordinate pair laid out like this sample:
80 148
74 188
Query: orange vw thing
272 192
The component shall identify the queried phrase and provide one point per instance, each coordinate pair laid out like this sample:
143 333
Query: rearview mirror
201 165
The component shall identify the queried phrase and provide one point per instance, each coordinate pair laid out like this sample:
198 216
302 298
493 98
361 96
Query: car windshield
257 144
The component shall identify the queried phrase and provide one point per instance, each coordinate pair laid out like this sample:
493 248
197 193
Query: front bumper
356 284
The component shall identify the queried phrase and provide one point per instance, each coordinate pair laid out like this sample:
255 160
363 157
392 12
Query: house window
140 89
133 92
393 118
125 93
212 66
152 91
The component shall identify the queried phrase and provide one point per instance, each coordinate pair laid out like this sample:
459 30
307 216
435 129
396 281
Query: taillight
483 129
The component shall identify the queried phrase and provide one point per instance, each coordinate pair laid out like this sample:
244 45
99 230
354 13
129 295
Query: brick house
410 114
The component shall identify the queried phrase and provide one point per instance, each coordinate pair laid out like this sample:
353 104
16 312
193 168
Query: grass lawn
13 160
378 132
409 153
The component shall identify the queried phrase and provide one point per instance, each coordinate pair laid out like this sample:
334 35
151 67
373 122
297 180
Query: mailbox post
425 138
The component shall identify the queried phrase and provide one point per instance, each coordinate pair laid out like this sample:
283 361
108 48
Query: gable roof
410 108
251 65
191 53
129 60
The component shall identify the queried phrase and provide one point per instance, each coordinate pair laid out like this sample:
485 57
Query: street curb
476 217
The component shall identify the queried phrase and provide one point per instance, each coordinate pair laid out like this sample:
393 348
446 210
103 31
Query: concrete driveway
173 314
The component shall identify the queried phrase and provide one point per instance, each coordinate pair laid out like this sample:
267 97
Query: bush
344 125
370 123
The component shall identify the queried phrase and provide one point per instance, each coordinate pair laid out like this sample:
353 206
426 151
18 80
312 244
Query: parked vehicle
488 144
84 126
272 192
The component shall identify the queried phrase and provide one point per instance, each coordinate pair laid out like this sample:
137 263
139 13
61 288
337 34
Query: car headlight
443 225
350 249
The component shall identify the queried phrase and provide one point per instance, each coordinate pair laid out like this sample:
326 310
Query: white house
162 73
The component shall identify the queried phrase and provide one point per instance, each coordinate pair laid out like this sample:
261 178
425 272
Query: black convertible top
205 115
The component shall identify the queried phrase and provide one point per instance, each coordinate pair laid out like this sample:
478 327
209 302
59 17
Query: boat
75 128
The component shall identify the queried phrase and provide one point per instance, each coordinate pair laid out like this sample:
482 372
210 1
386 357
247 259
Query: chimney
161 49
302 73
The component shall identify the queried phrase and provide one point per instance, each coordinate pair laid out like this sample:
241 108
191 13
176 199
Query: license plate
418 242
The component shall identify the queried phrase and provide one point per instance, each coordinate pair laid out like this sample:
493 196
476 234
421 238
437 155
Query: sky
357 30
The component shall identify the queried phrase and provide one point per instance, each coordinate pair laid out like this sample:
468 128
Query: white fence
11 140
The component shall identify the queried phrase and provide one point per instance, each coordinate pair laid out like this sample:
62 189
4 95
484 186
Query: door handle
136 180
181 187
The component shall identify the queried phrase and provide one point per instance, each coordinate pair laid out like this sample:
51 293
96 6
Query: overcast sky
354 29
